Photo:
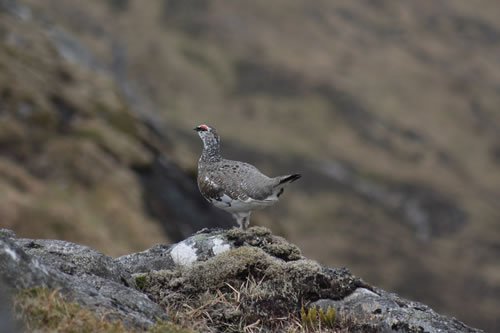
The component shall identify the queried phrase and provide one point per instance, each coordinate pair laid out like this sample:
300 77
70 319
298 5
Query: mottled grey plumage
235 186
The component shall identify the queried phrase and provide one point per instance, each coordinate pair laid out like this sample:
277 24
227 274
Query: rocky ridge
272 280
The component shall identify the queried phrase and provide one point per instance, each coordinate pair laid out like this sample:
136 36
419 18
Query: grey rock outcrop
74 259
367 308
135 288
82 278
380 311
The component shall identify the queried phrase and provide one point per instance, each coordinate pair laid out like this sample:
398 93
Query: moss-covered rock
262 238
261 278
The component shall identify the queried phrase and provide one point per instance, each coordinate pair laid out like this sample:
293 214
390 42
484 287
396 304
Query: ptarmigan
236 187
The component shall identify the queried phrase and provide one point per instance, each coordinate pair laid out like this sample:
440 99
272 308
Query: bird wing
248 182
237 180
209 188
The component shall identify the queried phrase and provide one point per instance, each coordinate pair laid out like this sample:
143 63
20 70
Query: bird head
207 133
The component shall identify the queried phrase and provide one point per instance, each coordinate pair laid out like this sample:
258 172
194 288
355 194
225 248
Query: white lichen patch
11 253
35 263
360 292
219 246
183 254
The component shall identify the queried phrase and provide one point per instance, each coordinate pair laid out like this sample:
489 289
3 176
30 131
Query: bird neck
211 150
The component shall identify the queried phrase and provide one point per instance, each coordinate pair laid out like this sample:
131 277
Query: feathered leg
243 219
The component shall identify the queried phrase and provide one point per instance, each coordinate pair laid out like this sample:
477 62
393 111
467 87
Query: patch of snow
183 254
220 246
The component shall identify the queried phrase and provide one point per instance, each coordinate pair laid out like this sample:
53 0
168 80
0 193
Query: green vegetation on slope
68 146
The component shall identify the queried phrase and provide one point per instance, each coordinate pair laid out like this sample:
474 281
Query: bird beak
197 128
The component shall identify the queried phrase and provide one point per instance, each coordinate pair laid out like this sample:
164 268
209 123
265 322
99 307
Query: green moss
328 318
242 286
251 233
214 273
168 327
257 282
261 237
284 250
316 319
141 281
209 275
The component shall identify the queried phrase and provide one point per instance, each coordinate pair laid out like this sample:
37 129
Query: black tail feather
291 178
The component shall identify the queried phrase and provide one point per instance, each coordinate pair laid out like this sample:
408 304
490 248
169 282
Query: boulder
79 273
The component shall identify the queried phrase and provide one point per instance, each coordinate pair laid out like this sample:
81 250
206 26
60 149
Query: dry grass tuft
245 308
45 310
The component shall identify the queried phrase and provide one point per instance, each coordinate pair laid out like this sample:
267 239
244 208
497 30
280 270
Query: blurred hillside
390 111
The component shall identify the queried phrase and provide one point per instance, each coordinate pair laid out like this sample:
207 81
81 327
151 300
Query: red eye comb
202 127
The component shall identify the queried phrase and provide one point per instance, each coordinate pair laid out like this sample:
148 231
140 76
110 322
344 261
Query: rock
89 283
117 301
206 244
19 270
74 259
155 258
194 267
238 277
7 233
9 324
380 311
